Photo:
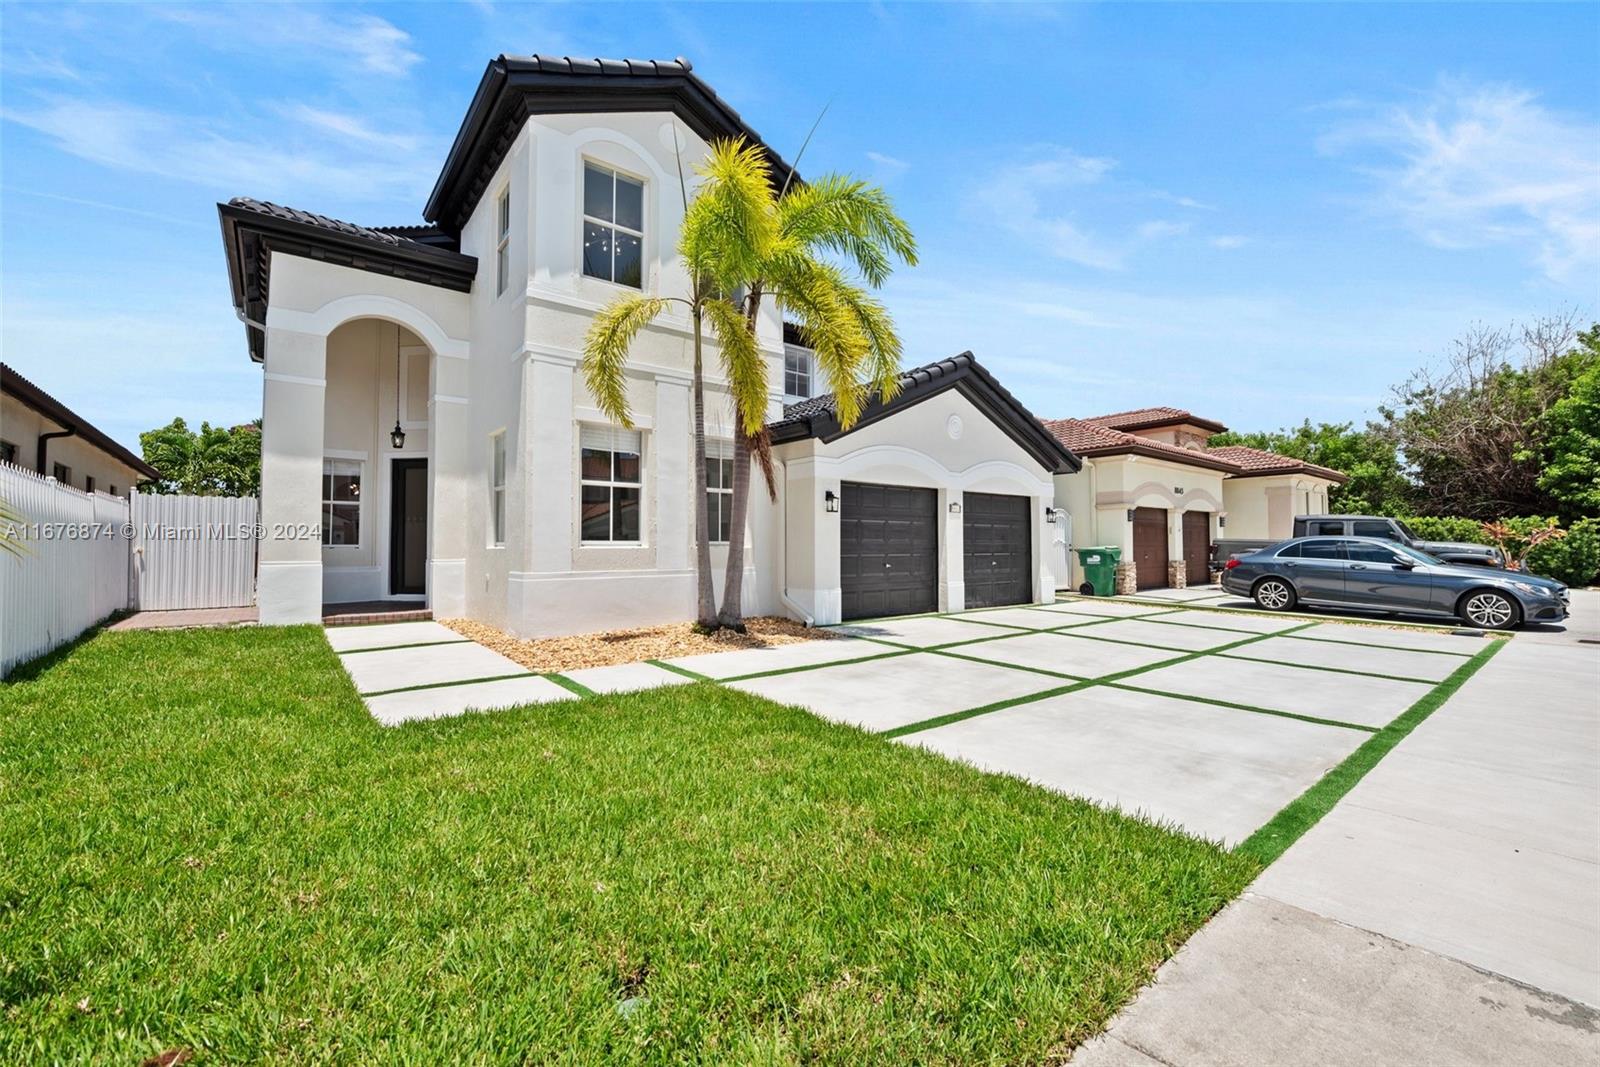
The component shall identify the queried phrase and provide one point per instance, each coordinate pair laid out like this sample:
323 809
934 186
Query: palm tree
728 220
858 351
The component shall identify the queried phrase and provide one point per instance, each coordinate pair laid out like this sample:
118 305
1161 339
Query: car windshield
1406 530
1416 554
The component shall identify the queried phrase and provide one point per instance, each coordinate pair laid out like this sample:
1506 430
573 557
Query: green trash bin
1099 565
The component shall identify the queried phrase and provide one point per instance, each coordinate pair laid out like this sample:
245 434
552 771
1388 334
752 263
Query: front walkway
1446 911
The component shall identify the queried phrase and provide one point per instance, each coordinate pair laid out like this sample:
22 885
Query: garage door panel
997 535
1197 546
888 550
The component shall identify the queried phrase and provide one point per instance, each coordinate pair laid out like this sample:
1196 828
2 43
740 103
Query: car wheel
1086 589
1489 610
1273 594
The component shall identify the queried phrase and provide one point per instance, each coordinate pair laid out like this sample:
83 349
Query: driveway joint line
409 644
448 685
570 684
958 716
675 669
1335 670
1368 644
1254 708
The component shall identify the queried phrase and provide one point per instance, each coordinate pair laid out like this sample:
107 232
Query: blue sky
1260 213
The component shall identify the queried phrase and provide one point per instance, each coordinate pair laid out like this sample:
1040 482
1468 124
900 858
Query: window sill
612 544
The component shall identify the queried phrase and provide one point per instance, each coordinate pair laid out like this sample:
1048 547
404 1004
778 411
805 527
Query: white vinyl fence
70 569
193 552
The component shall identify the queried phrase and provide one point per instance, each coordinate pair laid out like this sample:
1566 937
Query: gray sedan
1374 575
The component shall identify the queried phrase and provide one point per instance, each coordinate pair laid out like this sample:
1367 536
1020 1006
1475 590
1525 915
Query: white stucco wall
1263 508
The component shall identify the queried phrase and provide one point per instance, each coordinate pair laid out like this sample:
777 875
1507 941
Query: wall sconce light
955 507
830 502
397 437
1130 514
1222 522
1050 516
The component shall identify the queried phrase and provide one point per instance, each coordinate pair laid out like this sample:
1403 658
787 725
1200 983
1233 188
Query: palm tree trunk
732 613
706 608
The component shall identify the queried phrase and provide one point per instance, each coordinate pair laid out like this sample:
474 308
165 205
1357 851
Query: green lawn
208 845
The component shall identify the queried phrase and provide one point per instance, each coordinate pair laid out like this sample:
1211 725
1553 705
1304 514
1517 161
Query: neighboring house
40 433
427 435
1152 486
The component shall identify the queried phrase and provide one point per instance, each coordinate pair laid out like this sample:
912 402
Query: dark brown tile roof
25 392
815 417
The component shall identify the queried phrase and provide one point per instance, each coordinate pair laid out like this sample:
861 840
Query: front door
1150 548
1197 547
408 527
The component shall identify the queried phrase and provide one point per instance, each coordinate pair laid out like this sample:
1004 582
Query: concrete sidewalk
1446 911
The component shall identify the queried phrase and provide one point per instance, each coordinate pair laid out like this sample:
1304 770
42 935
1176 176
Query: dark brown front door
888 550
998 544
1197 547
1150 547
408 526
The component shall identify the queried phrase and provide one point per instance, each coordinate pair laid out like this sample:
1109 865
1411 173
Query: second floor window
613 226
502 242
796 372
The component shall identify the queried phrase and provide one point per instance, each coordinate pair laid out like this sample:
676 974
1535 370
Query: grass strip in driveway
1334 670
684 671
1369 644
408 644
212 847
448 685
1001 705
570 684
1243 707
1302 813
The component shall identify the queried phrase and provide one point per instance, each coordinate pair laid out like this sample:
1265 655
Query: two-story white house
428 438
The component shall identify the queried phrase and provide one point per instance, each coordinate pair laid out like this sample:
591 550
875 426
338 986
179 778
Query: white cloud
1479 166
376 45
1039 197
888 166
142 140
350 128
1229 241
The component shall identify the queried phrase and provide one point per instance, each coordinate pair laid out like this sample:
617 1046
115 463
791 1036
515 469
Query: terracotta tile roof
1088 437
1085 438
1143 418
1259 461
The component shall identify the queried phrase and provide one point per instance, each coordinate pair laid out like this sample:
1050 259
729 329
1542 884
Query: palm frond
852 218
731 221
882 370
742 362
820 296
605 351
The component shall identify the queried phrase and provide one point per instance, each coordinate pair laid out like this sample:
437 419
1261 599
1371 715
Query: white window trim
717 448
584 163
497 491
360 459
502 241
584 542
811 371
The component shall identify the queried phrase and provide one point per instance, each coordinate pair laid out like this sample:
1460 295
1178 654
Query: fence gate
193 552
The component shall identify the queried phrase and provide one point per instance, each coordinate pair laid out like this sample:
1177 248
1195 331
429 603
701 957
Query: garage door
996 536
888 550
1150 547
1197 546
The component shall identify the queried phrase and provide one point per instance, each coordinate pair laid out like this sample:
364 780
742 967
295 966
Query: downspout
783 554
44 445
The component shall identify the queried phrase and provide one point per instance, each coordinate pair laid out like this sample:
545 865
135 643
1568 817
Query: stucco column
952 551
289 582
449 487
674 466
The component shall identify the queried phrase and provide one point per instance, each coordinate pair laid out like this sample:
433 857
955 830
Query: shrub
1574 559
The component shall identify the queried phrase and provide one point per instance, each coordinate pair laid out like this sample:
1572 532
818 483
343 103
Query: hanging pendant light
397 436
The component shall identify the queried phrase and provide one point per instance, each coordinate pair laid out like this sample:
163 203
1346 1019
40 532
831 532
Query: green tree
1377 485
215 461
1570 432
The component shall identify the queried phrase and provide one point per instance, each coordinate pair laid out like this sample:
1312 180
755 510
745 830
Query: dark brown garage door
888 550
999 549
1197 547
1150 547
